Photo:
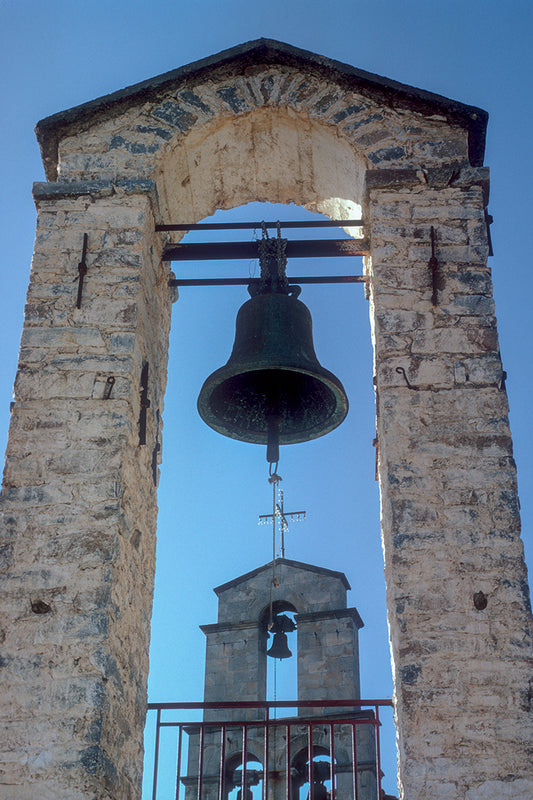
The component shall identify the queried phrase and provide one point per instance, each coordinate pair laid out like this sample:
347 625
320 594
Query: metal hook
401 371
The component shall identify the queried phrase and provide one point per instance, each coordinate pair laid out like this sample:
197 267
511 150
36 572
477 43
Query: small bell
280 625
280 648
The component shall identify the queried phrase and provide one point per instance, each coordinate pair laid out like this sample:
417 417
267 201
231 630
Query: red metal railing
344 734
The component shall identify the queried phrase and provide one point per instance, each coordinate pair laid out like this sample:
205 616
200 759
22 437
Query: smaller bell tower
252 614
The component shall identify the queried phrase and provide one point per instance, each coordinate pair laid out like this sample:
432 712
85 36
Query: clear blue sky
60 53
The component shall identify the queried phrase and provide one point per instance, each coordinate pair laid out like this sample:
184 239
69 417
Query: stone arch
278 607
269 155
450 522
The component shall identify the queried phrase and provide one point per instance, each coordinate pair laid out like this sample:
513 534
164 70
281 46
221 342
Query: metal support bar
222 768
354 763
145 403
248 281
82 270
178 762
288 762
267 704
433 266
250 226
156 756
157 448
296 248
332 762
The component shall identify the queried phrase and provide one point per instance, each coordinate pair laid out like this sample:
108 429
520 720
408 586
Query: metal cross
282 517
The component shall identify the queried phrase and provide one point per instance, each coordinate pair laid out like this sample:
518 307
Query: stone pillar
235 666
458 603
78 505
328 655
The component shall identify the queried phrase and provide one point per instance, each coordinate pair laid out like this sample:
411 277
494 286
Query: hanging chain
273 263
275 688
274 479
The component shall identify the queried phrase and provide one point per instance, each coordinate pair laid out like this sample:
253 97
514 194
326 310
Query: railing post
244 759
354 762
222 776
200 783
288 764
178 764
310 759
332 759
378 754
266 754
156 753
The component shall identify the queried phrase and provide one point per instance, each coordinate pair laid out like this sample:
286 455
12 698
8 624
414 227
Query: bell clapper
272 453
274 479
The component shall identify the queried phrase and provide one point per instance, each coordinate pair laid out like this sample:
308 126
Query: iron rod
258 723
296 248
250 226
156 754
270 704
332 760
288 763
178 765
221 787
200 783
244 759
310 759
248 281
377 725
354 763
265 757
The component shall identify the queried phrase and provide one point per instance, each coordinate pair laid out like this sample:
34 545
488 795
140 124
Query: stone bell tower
328 669
78 510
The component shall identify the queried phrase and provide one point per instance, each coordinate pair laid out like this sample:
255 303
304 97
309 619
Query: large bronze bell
273 387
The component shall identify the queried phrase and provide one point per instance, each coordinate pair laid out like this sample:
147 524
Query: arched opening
252 779
324 477
272 155
281 672
315 771
269 163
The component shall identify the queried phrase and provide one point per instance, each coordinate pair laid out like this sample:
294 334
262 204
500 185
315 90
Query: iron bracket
433 265
82 270
110 382
401 371
145 403
251 281
155 451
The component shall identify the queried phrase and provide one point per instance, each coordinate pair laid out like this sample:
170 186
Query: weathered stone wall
459 611
235 666
328 655
79 504
78 501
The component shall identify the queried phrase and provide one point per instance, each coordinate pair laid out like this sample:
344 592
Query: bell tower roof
302 588
297 565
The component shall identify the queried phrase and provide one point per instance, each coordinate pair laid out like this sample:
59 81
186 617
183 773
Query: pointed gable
242 60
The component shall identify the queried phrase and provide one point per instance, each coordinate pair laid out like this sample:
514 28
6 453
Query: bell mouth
307 404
